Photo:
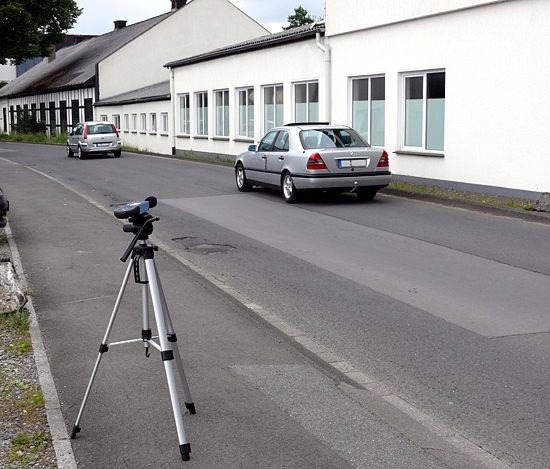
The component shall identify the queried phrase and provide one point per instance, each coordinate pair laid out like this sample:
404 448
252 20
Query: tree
299 18
30 27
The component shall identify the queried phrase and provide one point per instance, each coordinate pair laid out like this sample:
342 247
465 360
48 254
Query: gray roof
271 40
158 92
75 66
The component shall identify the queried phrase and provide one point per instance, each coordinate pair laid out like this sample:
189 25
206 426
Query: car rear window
100 129
331 138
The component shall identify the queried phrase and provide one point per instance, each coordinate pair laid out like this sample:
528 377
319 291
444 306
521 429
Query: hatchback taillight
85 134
384 161
316 162
115 130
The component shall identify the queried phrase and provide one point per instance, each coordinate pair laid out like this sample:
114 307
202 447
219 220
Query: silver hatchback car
306 157
94 138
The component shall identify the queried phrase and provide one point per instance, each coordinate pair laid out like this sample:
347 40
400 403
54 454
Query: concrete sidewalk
261 402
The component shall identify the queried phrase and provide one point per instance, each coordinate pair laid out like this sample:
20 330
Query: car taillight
316 162
384 161
85 134
115 130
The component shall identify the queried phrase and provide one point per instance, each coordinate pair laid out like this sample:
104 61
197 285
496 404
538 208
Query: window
104 118
184 116
143 122
246 112
126 122
222 113
134 123
164 123
306 102
153 122
267 142
424 110
116 120
281 142
88 109
273 106
368 108
75 111
201 104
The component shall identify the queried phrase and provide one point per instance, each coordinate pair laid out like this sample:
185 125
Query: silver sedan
306 157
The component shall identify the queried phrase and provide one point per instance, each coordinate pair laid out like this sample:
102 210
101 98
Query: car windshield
331 138
100 129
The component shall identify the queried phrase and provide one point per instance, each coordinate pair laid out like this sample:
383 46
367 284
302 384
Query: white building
465 96
117 68
454 89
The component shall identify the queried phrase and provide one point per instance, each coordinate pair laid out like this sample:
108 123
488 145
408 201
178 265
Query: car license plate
352 163
101 144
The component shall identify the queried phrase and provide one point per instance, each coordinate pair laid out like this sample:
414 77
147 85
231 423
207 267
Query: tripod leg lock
172 338
167 355
184 451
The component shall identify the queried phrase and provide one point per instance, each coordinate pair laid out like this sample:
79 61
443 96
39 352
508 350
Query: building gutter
173 102
325 47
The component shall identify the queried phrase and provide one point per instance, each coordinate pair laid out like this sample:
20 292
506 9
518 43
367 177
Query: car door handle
281 158
264 157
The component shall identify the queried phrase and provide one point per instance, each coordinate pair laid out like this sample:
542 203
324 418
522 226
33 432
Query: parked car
94 138
4 207
307 157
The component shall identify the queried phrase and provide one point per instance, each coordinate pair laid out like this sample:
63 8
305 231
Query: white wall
200 26
149 140
497 94
301 61
351 15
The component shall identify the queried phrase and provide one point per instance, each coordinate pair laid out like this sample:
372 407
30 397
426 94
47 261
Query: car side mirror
252 148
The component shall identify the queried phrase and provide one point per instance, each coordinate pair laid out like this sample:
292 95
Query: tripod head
141 222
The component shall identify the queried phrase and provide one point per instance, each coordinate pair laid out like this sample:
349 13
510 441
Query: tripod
146 274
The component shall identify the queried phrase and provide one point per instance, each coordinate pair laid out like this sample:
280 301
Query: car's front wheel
290 194
366 195
70 153
240 178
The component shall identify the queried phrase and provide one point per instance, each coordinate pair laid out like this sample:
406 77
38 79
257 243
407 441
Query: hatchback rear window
331 138
100 129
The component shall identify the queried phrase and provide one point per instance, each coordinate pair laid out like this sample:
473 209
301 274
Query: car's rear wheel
117 153
70 153
240 178
80 153
290 194
366 195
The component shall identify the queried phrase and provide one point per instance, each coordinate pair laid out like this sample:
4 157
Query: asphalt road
447 308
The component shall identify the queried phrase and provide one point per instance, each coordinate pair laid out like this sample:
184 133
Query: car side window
281 142
78 130
267 143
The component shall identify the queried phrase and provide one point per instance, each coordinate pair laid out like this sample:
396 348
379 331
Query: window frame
142 122
153 126
351 117
164 123
403 112
201 113
248 133
184 114
223 109
308 103
116 121
277 122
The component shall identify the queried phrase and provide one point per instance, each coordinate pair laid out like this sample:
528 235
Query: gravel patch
25 439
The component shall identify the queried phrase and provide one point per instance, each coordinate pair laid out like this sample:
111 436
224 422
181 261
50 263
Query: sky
98 15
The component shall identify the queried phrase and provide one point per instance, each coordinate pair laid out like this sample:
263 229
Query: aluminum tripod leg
167 354
172 338
102 349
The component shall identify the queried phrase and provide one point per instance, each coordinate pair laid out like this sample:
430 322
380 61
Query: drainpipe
328 75
173 102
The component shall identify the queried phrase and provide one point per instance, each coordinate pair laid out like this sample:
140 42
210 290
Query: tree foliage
299 18
30 27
